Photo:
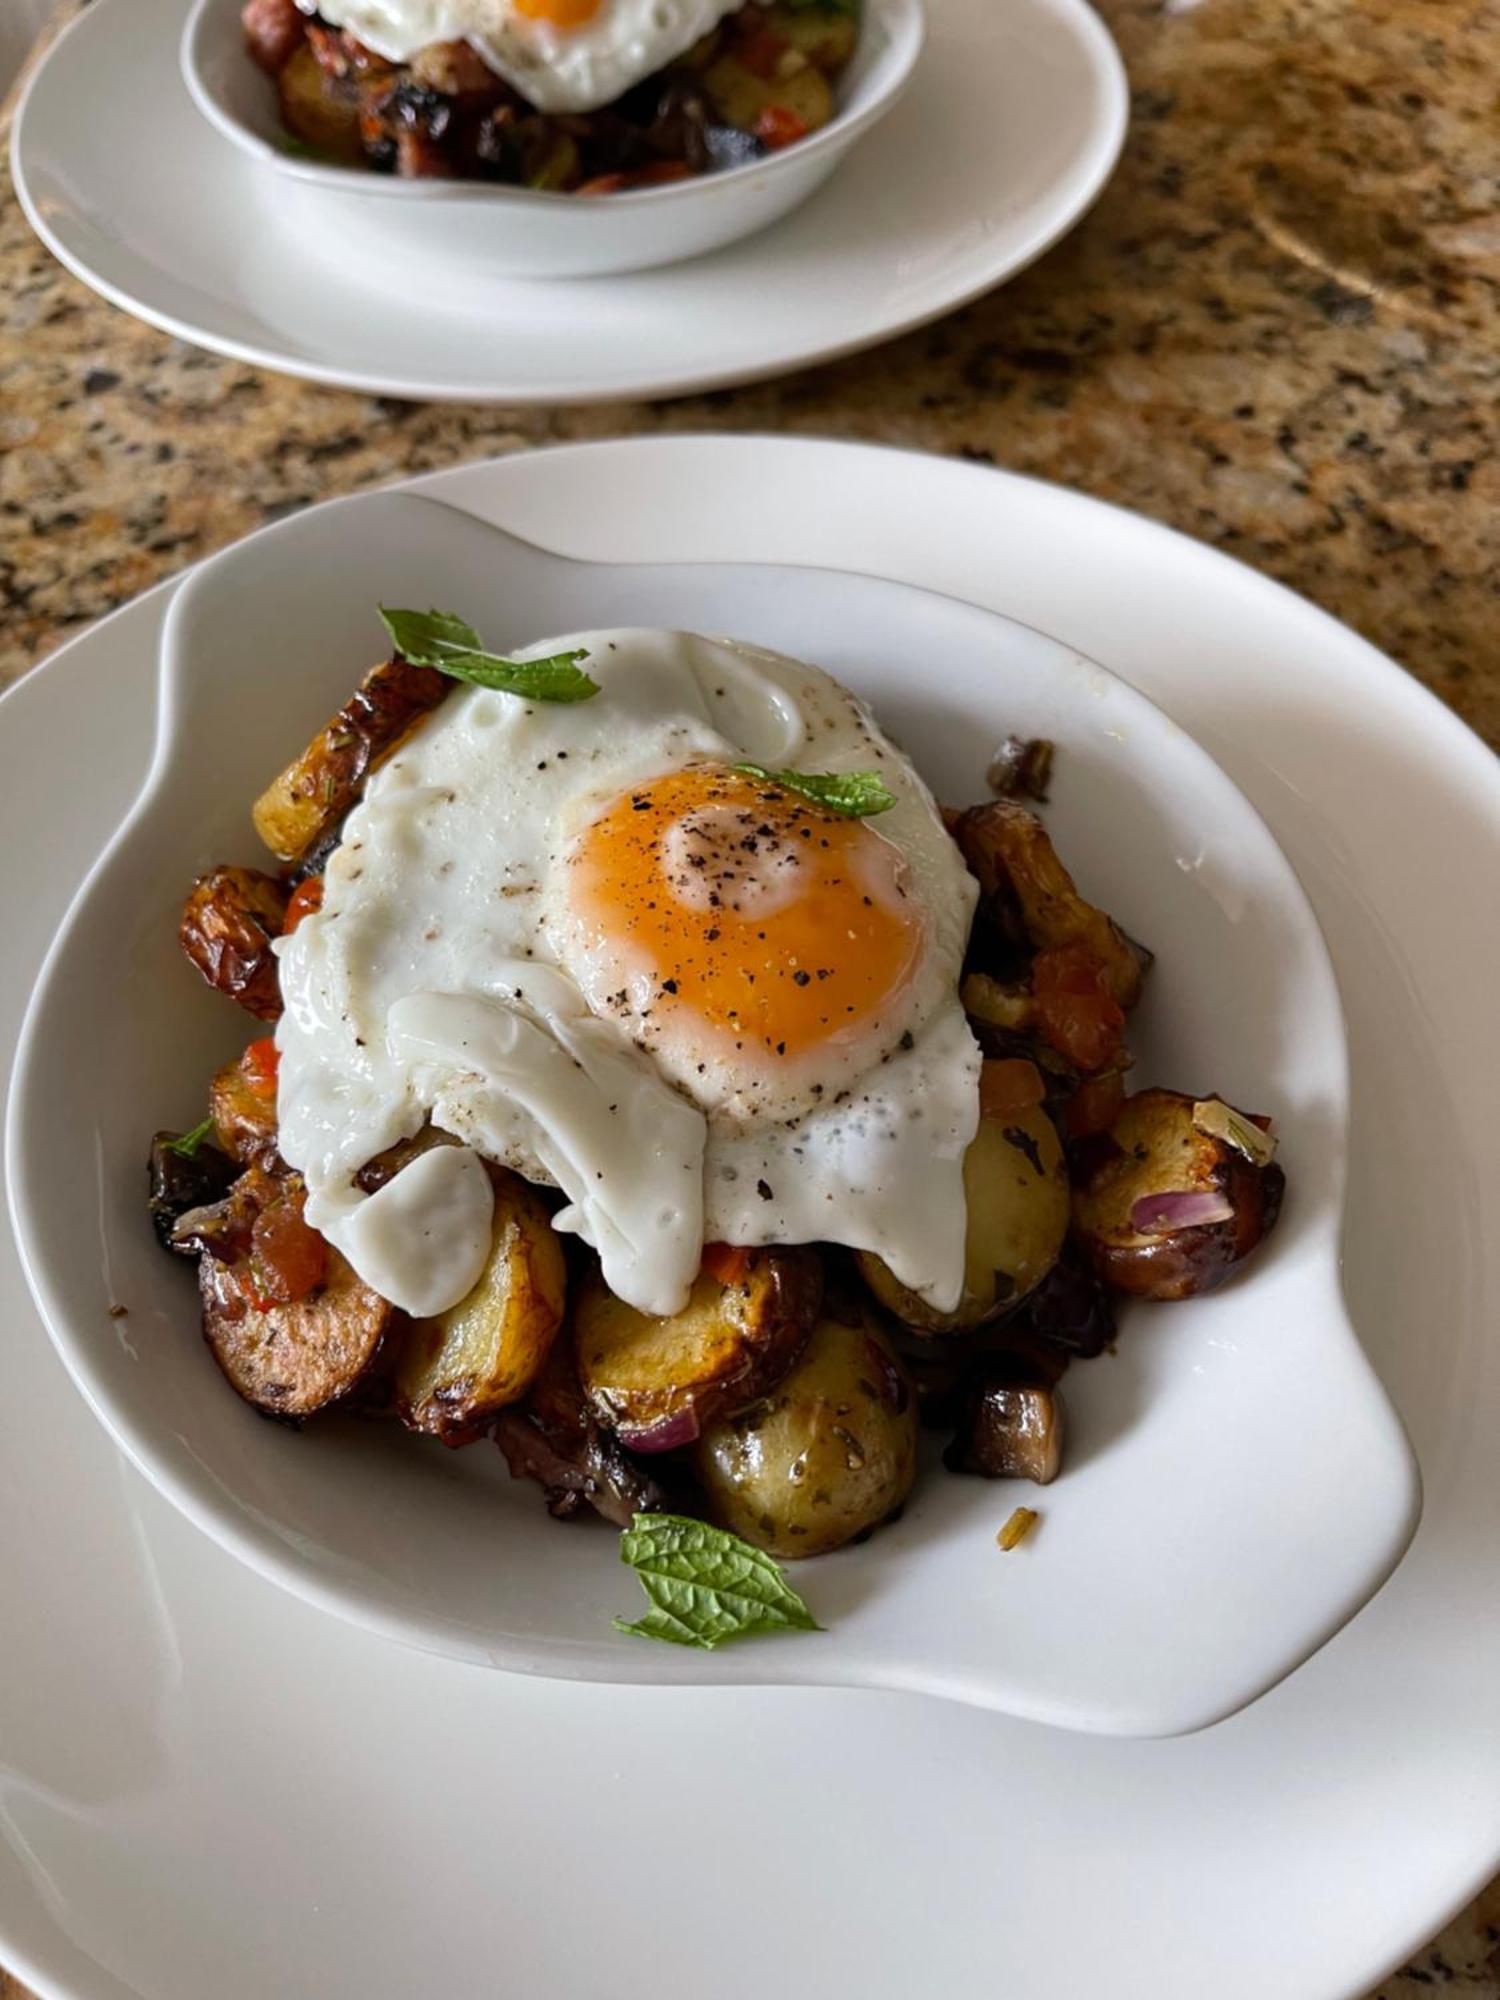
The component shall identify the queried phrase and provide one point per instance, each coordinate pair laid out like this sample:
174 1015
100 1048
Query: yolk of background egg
777 925
558 13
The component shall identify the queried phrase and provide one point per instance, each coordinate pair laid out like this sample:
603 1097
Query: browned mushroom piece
1008 1427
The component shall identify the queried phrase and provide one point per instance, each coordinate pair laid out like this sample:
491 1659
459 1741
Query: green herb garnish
822 6
705 1585
441 639
854 794
187 1146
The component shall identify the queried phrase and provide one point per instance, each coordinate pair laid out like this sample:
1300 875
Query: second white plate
1008 131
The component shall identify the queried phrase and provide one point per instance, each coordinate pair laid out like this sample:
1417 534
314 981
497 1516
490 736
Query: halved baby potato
827 1456
306 805
659 1381
1011 855
1163 1209
457 1370
320 110
290 1360
1016 1188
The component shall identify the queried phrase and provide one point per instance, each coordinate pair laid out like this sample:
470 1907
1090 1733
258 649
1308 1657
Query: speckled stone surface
1279 331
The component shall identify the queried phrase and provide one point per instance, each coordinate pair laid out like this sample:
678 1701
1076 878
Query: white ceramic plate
1176 1580
209 1788
1006 134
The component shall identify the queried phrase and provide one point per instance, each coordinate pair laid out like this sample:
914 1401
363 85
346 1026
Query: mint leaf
447 642
187 1146
423 637
705 1585
854 794
557 678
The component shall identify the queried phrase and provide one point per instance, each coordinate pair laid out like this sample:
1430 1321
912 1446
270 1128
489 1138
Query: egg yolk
730 904
558 13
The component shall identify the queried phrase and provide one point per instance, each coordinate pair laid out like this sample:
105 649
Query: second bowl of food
543 138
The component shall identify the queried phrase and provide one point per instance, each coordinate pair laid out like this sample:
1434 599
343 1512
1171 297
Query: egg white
557 69
438 981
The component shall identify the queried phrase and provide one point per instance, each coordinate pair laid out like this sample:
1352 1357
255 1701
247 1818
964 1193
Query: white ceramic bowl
462 234
1237 1485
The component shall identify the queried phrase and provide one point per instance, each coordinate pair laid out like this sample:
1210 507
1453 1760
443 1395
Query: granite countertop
1279 331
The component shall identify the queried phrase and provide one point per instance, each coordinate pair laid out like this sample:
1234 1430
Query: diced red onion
1160 1214
665 1435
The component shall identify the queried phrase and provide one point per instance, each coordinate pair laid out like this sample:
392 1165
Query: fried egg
561 55
587 944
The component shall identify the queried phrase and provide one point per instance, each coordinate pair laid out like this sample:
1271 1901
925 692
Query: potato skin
659 1382
292 1360
1011 855
458 1369
1153 1147
305 806
1016 1188
228 923
829 1455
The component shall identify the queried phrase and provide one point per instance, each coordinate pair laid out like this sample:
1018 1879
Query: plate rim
1107 142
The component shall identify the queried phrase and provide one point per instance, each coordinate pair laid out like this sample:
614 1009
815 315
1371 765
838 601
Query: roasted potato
1017 1194
742 98
1009 1427
827 38
292 1359
458 1369
827 1456
1163 1209
1012 858
242 1104
228 923
305 806
658 1382
320 110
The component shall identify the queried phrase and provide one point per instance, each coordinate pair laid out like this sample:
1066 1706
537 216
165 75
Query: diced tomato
260 1062
1095 1105
288 1258
305 898
777 127
1075 1009
728 1262
1008 1086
